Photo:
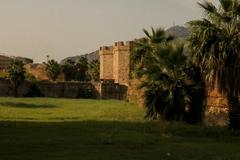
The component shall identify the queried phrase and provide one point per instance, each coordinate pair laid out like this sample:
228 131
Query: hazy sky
61 28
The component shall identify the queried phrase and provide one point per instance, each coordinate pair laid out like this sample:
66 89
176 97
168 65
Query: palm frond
208 7
226 5
146 33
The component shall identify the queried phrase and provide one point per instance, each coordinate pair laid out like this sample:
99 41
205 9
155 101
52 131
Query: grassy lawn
65 129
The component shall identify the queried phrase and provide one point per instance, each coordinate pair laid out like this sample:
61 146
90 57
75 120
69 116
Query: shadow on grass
26 105
155 127
103 140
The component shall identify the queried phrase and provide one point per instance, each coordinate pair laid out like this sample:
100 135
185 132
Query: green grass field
66 129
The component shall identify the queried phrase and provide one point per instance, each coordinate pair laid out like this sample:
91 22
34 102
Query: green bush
30 77
3 75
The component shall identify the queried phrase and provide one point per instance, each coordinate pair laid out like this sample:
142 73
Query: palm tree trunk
234 111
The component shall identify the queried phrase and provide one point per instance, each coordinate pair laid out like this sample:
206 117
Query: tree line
82 70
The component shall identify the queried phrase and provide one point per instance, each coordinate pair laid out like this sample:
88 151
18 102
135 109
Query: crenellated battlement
116 46
119 44
106 50
122 46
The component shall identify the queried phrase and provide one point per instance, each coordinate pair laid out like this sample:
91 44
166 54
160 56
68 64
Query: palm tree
68 69
53 69
16 74
170 89
81 69
215 43
145 46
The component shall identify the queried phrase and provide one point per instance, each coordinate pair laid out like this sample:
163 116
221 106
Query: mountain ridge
180 32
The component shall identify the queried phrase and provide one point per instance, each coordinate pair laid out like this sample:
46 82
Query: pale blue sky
61 28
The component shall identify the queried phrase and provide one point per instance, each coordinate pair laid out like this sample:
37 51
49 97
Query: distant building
115 62
37 70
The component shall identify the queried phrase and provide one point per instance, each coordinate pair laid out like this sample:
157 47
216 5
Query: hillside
89 56
177 31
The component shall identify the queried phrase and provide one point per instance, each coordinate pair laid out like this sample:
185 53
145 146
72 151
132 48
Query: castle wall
51 89
113 91
65 90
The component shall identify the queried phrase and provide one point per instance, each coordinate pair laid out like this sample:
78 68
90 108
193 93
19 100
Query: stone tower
106 63
115 62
